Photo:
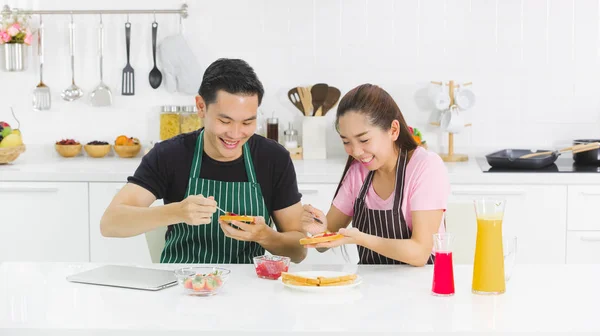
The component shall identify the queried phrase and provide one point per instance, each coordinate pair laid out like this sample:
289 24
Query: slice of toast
228 218
340 283
320 239
289 277
297 280
333 280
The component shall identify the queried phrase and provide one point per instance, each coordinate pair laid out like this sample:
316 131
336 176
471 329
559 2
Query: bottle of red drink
443 271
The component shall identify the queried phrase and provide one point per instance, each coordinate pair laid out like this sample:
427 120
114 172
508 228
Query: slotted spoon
73 92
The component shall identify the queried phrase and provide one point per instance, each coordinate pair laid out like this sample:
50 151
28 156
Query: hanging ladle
73 92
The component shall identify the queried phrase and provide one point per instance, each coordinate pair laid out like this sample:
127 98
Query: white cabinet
536 214
583 204
320 196
583 235
132 250
583 247
44 221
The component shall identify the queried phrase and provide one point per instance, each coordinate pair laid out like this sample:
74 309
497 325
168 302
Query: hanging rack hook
127 17
100 18
154 16
71 17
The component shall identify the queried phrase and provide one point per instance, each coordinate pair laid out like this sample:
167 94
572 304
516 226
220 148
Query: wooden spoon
294 97
575 149
306 98
319 95
333 95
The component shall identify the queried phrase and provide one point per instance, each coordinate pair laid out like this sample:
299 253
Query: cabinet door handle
587 193
308 191
28 189
491 193
590 239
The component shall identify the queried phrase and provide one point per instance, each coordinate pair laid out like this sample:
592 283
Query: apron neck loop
399 184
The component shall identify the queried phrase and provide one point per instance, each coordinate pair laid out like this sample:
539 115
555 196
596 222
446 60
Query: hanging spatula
319 95
101 96
41 94
128 77
333 95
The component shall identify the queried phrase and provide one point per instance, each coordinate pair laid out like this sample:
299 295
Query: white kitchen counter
44 164
36 299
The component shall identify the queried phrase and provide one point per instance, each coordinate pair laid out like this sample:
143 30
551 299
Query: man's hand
197 209
258 231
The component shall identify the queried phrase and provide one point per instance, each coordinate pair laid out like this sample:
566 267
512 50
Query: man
223 165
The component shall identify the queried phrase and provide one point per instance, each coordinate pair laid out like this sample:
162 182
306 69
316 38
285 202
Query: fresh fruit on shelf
97 143
417 136
67 142
5 129
123 140
12 140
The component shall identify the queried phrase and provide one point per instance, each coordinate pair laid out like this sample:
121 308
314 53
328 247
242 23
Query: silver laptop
126 277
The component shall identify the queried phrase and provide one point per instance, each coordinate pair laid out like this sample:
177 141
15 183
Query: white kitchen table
35 299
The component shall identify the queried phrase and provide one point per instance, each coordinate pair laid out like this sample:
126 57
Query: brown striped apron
383 223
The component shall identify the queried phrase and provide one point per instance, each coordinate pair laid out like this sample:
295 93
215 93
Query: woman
393 191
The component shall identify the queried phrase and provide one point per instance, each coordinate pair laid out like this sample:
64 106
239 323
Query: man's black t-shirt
165 170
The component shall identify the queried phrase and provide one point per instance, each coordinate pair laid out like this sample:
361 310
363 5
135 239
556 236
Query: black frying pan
511 158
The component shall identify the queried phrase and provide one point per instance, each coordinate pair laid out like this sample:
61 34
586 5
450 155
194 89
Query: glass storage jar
189 120
169 122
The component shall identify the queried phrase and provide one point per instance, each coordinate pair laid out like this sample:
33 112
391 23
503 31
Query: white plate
314 274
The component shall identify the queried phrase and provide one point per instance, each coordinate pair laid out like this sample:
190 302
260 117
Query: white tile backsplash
534 64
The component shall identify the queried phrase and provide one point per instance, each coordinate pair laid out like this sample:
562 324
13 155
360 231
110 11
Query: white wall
534 64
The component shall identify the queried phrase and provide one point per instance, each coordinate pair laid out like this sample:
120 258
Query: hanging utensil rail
183 11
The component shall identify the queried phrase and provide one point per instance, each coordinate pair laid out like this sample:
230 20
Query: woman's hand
309 224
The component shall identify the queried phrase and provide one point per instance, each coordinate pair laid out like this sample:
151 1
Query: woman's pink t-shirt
426 187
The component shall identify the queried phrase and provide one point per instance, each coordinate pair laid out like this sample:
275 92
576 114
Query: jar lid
272 120
190 108
170 108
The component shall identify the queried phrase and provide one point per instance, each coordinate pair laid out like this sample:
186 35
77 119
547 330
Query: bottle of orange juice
488 267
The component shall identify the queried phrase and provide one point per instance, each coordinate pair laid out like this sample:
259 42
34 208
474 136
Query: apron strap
248 163
197 161
365 187
399 191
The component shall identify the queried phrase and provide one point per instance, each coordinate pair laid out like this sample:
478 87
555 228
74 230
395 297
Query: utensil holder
14 57
314 138
451 156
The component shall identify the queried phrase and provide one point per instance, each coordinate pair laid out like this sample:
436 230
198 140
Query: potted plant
15 37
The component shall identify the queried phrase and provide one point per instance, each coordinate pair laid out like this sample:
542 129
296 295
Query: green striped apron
207 244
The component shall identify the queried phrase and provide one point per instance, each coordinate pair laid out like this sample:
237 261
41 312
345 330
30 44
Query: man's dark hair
234 76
